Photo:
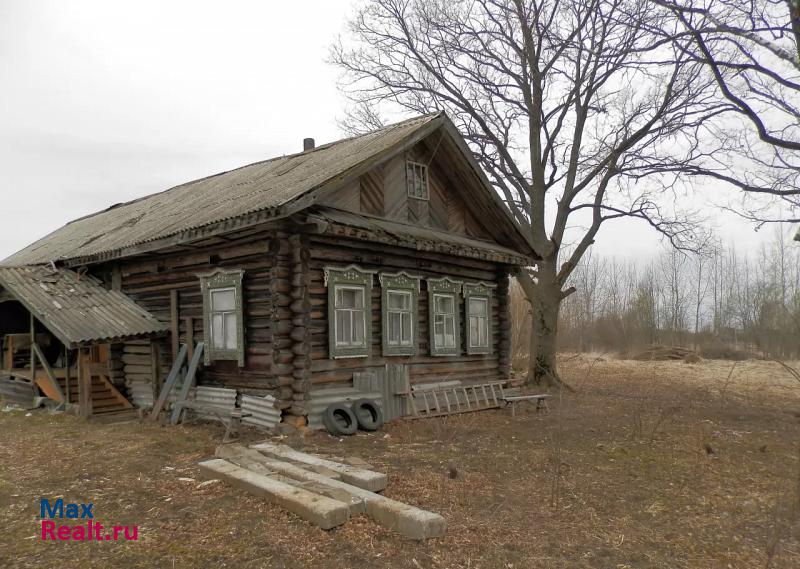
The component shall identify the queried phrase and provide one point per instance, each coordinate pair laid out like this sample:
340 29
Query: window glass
349 316
218 330
224 319
398 318
478 323
223 299
230 331
444 321
417 180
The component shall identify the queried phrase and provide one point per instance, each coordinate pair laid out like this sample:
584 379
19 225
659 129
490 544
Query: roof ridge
327 145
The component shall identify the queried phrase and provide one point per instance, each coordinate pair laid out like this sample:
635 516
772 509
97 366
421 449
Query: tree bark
545 296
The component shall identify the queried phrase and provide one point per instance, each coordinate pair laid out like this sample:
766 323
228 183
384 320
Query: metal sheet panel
76 308
260 412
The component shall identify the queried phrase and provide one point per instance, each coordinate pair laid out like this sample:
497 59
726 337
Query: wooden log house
297 272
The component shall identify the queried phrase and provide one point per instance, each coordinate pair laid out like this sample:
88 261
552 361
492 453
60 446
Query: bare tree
575 109
750 48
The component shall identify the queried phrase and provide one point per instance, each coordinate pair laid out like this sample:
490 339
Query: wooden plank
84 385
187 384
171 379
51 388
173 313
189 322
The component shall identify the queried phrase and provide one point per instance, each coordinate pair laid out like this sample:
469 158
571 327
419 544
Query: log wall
151 282
328 251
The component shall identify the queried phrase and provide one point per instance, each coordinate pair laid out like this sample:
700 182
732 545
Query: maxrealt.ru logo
87 530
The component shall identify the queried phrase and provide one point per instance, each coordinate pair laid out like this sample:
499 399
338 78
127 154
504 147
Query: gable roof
76 308
251 194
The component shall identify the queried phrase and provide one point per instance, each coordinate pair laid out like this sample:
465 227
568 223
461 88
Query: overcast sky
104 101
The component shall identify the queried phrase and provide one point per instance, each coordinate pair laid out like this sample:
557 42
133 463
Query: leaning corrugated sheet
77 309
262 186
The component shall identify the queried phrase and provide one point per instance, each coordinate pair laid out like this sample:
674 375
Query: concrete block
256 462
407 520
320 510
365 479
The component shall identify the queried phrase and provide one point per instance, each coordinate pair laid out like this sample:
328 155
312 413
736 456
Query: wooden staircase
105 397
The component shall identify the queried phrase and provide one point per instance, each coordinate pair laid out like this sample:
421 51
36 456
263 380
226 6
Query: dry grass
656 464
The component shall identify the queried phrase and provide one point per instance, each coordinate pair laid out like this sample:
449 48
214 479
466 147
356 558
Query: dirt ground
647 464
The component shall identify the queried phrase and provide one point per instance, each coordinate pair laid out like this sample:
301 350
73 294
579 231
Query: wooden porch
85 384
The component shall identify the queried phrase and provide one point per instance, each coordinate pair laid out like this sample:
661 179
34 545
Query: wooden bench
231 418
541 401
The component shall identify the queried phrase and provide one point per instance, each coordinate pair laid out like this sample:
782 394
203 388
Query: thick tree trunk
545 297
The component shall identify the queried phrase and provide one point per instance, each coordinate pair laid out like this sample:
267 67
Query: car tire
339 420
368 414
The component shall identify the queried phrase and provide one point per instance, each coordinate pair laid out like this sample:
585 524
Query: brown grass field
646 465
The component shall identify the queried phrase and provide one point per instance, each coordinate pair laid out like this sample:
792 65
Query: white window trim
446 315
351 311
354 277
410 311
484 319
212 312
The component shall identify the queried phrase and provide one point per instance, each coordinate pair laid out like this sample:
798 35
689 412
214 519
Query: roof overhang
75 308
342 223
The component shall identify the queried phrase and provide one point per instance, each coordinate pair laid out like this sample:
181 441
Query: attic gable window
444 323
399 308
223 320
478 302
417 180
349 311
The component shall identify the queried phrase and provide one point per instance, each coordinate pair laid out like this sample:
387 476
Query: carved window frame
351 277
447 287
223 279
401 282
481 291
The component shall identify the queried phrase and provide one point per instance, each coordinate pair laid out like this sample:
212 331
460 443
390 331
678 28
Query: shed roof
258 192
76 308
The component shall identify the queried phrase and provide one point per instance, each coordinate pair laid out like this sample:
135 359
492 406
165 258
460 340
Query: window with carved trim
223 319
399 309
443 309
478 303
349 311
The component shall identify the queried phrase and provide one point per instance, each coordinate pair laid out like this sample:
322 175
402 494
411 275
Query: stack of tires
342 419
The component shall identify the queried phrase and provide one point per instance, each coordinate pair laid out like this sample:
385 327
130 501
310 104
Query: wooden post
84 385
33 352
9 345
155 367
190 336
66 374
173 310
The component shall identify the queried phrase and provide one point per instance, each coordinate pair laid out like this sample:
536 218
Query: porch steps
105 397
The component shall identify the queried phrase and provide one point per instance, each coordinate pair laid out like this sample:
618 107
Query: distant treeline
720 302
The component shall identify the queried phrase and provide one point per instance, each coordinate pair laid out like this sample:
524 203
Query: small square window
417 180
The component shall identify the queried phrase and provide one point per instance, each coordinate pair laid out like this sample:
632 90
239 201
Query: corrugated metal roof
257 187
77 309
